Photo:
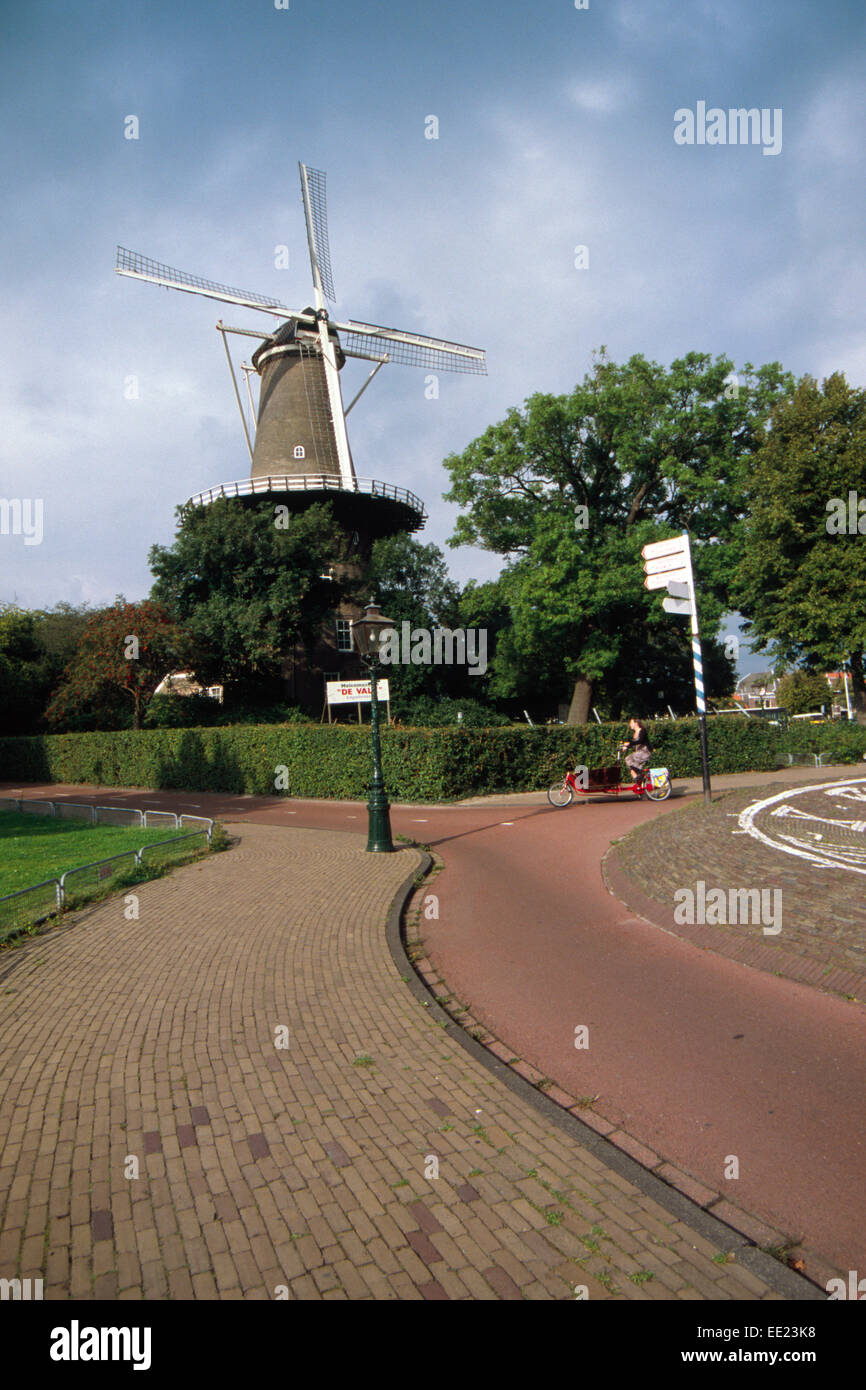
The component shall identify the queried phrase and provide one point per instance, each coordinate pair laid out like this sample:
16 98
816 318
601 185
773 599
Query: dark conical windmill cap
288 333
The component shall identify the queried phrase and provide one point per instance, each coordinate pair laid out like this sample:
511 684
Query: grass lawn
34 848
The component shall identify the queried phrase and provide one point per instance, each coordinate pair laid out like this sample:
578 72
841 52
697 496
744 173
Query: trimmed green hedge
840 742
334 762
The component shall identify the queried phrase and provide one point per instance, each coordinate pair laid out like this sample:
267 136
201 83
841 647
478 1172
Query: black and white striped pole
668 565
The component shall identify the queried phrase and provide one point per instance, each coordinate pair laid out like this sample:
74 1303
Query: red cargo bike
651 782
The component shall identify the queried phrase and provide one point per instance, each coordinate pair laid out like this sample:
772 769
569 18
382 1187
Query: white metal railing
306 482
165 849
104 815
100 871
117 815
69 810
28 906
161 818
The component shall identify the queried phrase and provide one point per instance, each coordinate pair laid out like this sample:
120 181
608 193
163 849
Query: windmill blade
316 217
141 268
410 349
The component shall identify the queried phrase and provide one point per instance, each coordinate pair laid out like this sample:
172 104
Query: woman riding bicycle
638 759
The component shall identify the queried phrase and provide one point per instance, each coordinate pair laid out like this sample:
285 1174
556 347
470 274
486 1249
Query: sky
556 129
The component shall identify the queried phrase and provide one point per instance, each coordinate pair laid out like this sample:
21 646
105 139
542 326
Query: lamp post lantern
368 633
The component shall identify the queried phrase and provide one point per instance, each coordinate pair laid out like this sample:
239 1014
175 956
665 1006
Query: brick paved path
308 1168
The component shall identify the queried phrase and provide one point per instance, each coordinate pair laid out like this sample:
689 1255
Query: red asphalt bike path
692 1054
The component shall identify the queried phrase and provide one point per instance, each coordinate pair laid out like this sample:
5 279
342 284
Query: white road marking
747 818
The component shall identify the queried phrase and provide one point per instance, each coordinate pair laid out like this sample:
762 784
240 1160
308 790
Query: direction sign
664 564
680 606
661 581
675 546
668 565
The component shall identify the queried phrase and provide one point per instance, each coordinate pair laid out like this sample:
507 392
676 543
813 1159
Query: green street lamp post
368 632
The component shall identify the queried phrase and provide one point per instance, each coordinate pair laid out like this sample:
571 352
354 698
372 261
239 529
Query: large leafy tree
124 653
801 692
801 579
35 648
411 584
248 582
25 672
59 630
569 488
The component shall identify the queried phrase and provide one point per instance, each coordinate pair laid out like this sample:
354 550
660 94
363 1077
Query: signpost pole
668 565
698 659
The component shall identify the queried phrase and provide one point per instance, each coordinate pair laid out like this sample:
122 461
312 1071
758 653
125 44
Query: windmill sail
411 349
314 194
142 268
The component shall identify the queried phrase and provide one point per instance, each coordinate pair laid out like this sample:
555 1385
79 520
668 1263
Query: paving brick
243 1156
501 1283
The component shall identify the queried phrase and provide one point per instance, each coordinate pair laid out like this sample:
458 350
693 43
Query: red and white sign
666 564
355 692
664 560
660 581
675 546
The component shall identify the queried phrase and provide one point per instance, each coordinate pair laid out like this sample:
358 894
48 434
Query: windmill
301 441
301 451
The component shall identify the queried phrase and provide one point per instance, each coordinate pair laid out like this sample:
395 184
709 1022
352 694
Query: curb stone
780 1278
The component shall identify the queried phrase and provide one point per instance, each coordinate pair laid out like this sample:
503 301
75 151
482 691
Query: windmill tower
301 451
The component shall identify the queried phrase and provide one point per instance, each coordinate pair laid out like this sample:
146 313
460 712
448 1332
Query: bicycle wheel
659 793
560 795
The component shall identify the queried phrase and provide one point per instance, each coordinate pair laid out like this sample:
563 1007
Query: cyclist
638 759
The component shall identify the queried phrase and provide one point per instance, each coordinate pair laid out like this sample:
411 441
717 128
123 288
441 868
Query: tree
801 576
802 692
25 672
59 630
410 583
569 489
35 648
124 653
247 583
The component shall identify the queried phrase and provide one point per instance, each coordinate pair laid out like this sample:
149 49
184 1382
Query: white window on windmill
299 451
344 635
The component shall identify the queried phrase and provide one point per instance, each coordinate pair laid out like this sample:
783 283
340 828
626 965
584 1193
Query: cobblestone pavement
152 1046
822 940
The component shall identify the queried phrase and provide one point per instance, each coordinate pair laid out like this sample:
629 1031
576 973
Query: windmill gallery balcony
392 507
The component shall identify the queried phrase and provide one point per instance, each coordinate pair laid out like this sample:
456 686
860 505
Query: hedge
334 761
840 742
